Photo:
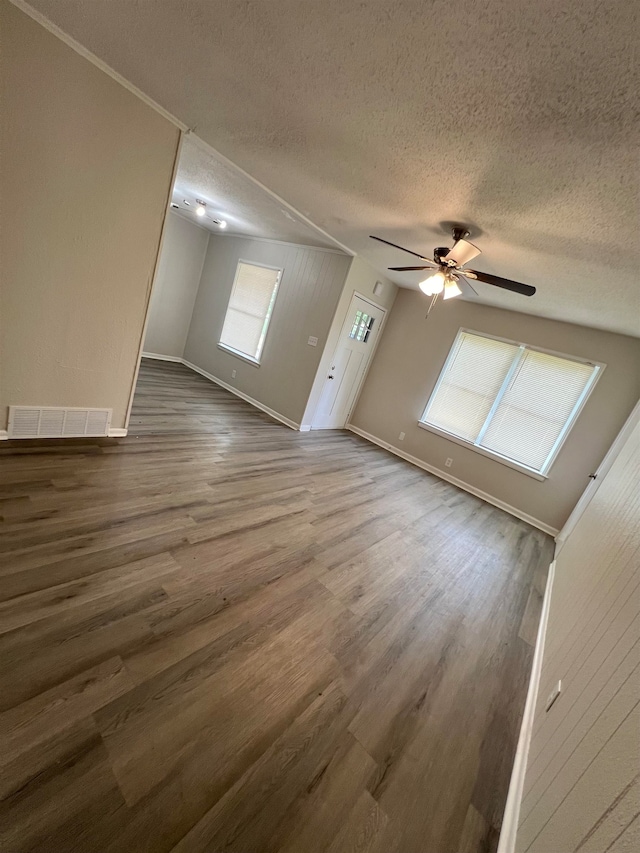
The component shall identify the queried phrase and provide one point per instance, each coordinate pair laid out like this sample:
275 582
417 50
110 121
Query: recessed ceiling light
201 208
219 222
176 206
188 203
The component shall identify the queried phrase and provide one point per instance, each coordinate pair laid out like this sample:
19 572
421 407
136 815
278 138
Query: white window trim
237 353
543 474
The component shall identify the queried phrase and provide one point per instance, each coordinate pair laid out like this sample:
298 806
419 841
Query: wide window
508 400
249 311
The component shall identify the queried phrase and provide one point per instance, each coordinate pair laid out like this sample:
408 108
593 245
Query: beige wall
582 785
311 284
407 364
361 278
86 169
174 291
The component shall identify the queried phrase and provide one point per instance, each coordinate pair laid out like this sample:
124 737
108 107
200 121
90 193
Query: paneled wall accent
308 294
582 787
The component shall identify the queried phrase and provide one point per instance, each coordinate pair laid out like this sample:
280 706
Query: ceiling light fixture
433 284
451 288
201 208
188 203
220 223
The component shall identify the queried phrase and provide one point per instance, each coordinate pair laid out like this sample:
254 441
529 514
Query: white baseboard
305 427
159 357
271 412
523 516
4 435
516 786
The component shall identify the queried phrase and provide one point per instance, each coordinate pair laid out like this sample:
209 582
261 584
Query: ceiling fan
448 267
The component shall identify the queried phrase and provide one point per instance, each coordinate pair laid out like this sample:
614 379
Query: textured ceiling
234 197
519 118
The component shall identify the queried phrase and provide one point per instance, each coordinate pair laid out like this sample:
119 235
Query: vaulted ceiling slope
519 118
235 198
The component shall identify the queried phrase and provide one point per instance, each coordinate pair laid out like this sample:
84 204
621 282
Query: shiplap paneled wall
310 287
582 786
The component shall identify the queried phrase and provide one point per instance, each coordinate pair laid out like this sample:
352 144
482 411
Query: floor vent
50 422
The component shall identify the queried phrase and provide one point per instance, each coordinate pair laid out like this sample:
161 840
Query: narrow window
249 310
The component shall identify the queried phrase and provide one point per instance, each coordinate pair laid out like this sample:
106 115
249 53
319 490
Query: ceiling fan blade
395 246
463 252
504 283
406 269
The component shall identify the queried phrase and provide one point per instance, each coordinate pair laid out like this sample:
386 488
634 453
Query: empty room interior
319 426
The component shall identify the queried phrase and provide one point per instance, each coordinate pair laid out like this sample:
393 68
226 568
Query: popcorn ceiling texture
379 117
234 197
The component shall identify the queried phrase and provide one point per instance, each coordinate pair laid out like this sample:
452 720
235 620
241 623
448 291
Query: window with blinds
508 399
249 311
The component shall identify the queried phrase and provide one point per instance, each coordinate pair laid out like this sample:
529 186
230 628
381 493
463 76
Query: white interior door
350 360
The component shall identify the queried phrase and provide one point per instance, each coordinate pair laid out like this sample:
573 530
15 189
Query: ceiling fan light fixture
433 283
451 289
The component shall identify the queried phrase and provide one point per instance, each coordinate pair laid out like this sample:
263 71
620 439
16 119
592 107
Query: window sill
536 475
239 354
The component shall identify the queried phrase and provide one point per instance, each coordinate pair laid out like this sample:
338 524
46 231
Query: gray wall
86 175
308 294
174 292
407 364
582 788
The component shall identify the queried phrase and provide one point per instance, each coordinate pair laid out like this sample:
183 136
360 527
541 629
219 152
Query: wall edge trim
57 31
523 516
511 816
258 405
224 234
117 433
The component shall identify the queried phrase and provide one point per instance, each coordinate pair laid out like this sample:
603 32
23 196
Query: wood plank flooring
218 634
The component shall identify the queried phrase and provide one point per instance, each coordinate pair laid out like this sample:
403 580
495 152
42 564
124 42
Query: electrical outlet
233 374
313 342
401 436
448 463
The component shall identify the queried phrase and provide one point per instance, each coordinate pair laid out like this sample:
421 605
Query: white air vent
49 422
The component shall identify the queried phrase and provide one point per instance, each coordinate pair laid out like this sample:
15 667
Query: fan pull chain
434 299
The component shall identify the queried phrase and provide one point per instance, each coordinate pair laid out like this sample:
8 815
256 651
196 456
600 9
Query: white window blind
508 399
250 307
474 375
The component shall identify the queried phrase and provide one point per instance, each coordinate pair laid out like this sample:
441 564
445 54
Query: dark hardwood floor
219 634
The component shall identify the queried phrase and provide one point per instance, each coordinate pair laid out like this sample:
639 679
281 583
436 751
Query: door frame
600 473
372 352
